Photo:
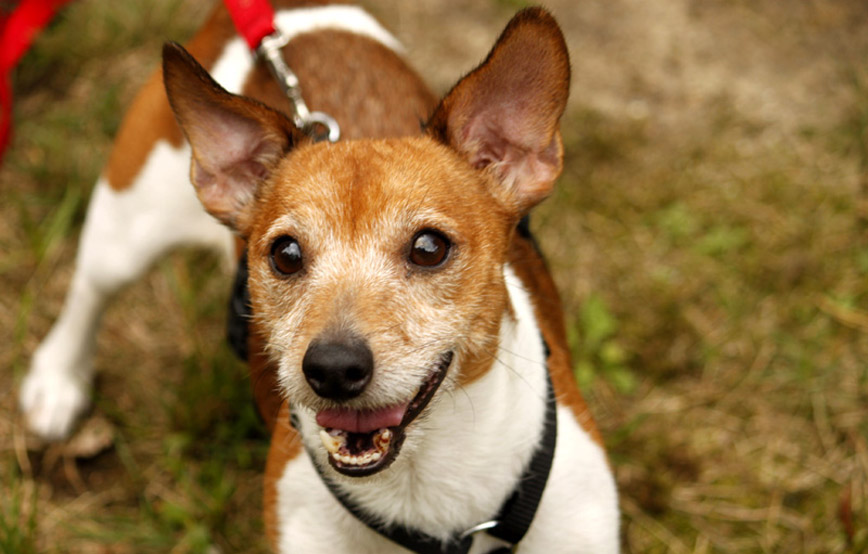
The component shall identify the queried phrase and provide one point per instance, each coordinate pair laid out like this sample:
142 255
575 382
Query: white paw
52 401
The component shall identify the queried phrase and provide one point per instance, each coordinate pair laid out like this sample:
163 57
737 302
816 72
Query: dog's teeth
331 443
351 460
382 440
336 443
362 460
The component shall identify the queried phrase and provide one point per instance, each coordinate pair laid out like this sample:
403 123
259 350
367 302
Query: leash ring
315 120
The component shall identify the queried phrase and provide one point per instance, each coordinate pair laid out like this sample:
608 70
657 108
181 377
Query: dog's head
376 266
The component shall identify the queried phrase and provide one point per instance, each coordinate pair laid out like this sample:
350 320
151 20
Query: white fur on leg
125 232
56 391
53 400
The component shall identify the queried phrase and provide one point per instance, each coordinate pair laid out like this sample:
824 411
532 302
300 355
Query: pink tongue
361 421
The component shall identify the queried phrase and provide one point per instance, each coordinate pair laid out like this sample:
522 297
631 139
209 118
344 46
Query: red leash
254 20
17 32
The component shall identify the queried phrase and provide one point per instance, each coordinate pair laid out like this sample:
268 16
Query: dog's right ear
237 142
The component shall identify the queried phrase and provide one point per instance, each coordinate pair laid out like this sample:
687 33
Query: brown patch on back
148 120
285 446
149 117
364 85
531 269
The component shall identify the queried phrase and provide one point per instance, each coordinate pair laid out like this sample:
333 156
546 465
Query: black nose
338 370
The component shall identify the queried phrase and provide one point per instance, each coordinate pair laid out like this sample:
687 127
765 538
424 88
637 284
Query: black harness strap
518 512
410 539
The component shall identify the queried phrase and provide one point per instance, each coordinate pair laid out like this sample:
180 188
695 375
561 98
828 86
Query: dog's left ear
237 142
503 117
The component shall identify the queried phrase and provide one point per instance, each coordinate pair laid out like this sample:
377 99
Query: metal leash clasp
319 125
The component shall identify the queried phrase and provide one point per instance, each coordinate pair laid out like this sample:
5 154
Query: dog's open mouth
363 442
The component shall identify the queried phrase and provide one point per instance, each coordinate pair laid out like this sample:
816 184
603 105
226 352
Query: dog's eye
429 248
286 256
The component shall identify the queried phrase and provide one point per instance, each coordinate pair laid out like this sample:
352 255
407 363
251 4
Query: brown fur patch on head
355 208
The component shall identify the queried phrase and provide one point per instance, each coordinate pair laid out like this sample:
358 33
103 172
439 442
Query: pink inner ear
499 128
483 144
236 141
224 140
231 157
513 149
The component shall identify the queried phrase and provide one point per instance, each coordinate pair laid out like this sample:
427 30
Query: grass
714 267
722 332
18 516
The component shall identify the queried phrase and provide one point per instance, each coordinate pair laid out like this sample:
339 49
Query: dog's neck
477 439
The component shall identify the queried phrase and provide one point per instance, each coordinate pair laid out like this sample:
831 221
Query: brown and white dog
398 305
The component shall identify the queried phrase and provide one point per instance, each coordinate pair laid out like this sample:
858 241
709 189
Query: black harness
516 514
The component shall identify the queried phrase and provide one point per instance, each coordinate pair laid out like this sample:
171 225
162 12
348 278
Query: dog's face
376 266
371 274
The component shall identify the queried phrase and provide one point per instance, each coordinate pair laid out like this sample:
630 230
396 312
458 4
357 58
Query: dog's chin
366 451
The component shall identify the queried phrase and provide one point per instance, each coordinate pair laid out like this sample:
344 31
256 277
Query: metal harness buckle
484 526
318 125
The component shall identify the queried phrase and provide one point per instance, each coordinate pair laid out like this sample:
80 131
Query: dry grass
708 235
